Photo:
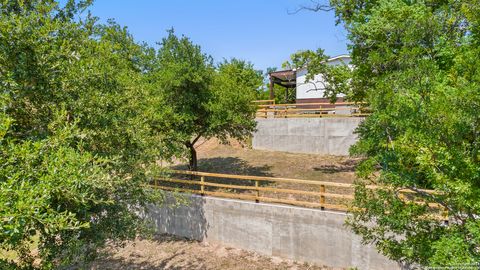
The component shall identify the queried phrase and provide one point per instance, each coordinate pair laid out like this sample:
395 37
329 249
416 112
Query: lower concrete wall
295 233
325 136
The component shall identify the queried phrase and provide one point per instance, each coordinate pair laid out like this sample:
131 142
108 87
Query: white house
306 92
314 90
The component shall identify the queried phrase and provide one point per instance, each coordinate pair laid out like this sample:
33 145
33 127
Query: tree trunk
193 157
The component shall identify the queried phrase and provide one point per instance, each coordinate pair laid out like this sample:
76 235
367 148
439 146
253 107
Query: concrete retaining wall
295 233
325 136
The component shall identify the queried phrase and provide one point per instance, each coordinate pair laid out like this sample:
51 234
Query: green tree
203 100
417 65
78 139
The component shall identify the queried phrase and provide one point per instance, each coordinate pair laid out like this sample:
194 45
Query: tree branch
196 139
315 7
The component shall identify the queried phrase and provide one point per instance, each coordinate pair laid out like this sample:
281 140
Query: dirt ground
166 252
238 159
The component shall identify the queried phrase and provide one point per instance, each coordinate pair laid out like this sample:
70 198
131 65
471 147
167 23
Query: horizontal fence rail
299 192
268 109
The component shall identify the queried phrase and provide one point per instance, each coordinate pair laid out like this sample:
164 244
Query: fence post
257 193
202 185
322 197
446 220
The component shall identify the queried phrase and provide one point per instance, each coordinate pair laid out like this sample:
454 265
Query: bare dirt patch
167 252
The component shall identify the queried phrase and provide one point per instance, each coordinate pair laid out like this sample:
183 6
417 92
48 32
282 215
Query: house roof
285 78
331 59
342 56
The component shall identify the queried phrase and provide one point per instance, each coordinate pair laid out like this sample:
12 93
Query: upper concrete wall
295 233
325 136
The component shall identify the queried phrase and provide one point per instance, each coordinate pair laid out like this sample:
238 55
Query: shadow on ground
228 165
161 252
345 166
175 253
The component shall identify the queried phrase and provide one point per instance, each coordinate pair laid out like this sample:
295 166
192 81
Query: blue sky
260 31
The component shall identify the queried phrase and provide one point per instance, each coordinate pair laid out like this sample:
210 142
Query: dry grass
167 252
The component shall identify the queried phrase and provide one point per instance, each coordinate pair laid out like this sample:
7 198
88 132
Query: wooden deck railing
264 102
305 193
268 109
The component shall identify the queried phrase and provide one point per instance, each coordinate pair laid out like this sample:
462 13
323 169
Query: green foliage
230 110
77 134
417 66
62 199
281 95
203 100
263 93
182 76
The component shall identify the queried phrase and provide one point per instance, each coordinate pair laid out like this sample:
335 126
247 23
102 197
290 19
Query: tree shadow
226 165
345 166
134 259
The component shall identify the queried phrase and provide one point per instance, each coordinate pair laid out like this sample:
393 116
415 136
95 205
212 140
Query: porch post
272 94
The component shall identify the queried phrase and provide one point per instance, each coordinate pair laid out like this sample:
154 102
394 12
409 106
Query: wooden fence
268 109
305 193
264 102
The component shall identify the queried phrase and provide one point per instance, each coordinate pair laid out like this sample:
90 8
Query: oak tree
203 99
416 65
